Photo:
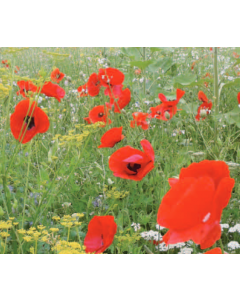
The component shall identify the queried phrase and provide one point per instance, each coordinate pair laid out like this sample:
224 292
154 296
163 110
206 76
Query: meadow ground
52 186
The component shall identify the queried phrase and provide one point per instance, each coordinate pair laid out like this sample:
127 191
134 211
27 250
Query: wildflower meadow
120 150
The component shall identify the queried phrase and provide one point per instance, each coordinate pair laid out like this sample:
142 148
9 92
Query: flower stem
216 92
144 81
221 246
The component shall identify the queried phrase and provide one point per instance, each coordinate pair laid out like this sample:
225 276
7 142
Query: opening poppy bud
203 113
167 115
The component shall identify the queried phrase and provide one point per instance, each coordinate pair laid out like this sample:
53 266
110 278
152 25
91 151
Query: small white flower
186 251
141 79
233 245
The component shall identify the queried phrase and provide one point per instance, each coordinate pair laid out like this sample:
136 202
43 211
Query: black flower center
158 112
30 124
100 115
133 167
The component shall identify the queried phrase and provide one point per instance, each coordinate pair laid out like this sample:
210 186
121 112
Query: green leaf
163 64
140 64
232 117
133 52
235 82
184 80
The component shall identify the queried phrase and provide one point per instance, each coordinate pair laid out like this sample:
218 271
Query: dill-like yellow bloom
54 229
27 238
21 231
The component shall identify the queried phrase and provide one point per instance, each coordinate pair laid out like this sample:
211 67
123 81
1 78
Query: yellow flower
54 229
4 234
21 231
32 250
27 238
56 218
44 239
15 223
41 227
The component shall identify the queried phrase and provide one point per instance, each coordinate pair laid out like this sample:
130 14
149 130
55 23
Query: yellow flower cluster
33 235
12 50
4 90
64 247
125 240
74 138
71 221
113 193
6 225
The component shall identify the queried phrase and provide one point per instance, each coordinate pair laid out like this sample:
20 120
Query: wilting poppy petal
192 208
100 235
130 163
53 90
111 137
26 122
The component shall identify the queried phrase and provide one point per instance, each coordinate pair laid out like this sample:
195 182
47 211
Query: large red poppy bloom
139 120
111 137
112 79
205 106
100 235
123 100
93 85
130 163
57 76
192 208
83 90
99 114
26 122
25 87
53 90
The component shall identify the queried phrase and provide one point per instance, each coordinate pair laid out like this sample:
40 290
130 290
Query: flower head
111 137
140 120
53 90
205 108
99 114
93 85
192 208
130 163
112 79
57 76
25 87
123 100
100 235
26 122
83 90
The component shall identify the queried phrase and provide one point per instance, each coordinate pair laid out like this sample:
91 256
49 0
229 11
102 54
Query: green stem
144 81
216 93
221 246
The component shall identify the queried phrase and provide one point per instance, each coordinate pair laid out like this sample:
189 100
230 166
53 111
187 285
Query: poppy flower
99 114
25 87
216 250
205 108
130 163
16 69
93 85
140 120
235 55
87 120
112 79
171 103
123 100
83 91
111 137
57 76
100 235
26 122
53 90
238 98
192 208
5 63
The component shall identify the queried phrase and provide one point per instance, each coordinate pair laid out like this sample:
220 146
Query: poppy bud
167 115
203 113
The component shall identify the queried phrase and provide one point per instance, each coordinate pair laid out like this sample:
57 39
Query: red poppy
238 98
25 87
140 120
210 48
93 85
26 122
5 63
192 208
205 108
171 103
111 137
87 120
130 163
99 114
112 79
193 65
123 100
235 55
100 235
16 69
53 90
163 112
57 76
83 91
216 250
